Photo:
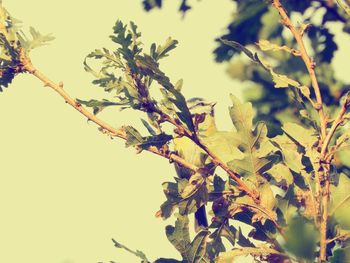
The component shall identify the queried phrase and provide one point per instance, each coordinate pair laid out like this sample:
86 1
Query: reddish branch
309 63
322 178
115 132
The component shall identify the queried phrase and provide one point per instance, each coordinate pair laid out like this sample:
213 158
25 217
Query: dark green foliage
148 5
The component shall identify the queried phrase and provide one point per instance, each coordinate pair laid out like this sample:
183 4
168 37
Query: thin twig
342 237
338 121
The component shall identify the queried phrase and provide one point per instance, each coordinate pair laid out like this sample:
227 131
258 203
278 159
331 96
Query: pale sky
66 189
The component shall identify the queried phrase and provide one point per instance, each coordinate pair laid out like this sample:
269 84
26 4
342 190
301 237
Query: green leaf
301 229
37 39
163 50
290 154
281 173
340 202
266 45
224 145
167 260
156 140
282 81
305 137
149 67
179 236
133 137
239 48
340 255
250 142
198 246
231 256
137 253
98 105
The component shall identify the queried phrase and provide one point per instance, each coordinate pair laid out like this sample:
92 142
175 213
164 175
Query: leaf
98 105
266 45
195 183
231 256
224 145
282 81
305 137
37 39
137 253
340 202
198 247
239 48
185 196
340 255
148 127
301 229
289 149
163 50
281 173
133 137
156 140
285 205
179 236
167 260
149 67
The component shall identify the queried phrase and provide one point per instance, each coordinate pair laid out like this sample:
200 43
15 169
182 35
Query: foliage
254 21
284 185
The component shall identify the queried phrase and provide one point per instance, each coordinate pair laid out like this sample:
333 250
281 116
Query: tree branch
114 132
338 121
323 173
309 63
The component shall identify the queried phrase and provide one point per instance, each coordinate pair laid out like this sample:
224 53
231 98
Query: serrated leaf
249 142
37 40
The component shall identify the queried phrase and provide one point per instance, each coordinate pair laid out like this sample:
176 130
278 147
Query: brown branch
309 63
326 167
115 132
341 237
338 121
234 175
323 174
182 131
